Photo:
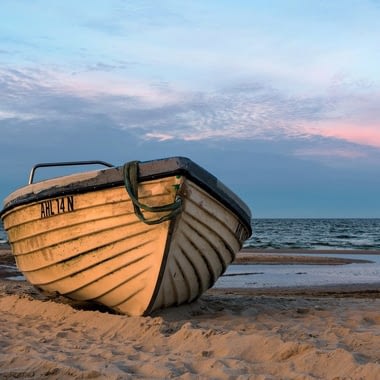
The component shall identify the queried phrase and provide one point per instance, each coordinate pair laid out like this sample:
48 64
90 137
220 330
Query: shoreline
290 257
312 251
9 274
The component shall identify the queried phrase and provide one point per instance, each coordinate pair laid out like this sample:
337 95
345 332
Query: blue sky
279 99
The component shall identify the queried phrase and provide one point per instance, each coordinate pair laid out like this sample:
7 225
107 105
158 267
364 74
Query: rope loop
130 174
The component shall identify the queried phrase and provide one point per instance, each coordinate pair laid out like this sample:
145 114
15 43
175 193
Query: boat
136 238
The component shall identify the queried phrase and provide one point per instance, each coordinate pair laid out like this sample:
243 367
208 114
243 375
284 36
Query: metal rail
68 163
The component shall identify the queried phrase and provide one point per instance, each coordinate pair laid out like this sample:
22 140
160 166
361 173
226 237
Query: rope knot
130 174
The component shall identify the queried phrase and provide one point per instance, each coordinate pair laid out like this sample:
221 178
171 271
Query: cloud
5 115
354 117
242 112
159 136
354 132
157 111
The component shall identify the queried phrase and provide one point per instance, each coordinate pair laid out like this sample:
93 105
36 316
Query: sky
279 99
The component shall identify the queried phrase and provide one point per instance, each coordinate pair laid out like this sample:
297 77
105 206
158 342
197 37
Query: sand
311 333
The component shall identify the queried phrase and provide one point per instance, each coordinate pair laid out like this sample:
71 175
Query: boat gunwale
148 170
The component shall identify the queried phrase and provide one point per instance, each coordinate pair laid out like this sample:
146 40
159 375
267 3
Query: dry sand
226 334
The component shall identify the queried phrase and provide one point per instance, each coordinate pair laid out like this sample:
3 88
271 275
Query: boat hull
92 246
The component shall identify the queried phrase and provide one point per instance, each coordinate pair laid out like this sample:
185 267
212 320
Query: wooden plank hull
205 242
92 246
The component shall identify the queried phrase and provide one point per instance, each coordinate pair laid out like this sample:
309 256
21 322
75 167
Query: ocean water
318 234
3 235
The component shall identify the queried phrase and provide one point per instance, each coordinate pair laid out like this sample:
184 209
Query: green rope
130 173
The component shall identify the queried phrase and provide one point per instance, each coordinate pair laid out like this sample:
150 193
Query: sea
349 238
3 235
317 234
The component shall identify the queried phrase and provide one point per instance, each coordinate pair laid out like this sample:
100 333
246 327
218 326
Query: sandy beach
309 333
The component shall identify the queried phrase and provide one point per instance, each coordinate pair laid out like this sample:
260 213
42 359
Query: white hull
92 246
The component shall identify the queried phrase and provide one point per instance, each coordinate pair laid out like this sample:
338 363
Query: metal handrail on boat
67 163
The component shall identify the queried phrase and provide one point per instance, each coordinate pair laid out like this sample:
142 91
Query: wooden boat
135 238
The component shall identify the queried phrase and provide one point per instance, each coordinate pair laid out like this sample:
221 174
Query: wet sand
299 256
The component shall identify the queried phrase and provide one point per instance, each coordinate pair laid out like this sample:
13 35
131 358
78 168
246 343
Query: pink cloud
354 132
